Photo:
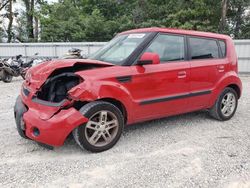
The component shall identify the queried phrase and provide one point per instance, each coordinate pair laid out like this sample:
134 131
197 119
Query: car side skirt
169 98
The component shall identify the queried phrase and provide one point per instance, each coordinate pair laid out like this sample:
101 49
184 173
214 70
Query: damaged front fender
84 92
91 90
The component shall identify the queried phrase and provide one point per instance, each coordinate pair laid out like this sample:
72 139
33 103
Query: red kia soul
139 75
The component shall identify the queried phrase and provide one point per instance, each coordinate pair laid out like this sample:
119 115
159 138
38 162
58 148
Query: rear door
207 68
162 89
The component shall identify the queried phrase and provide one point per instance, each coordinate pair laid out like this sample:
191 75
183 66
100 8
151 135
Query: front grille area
26 92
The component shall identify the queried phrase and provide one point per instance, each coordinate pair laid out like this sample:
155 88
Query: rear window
203 48
223 48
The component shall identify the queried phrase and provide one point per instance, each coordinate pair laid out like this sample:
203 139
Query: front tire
103 129
226 105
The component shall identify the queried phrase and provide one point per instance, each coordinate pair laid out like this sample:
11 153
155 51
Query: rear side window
223 48
203 48
168 47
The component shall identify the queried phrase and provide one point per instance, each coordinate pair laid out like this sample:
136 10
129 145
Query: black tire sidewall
225 91
80 131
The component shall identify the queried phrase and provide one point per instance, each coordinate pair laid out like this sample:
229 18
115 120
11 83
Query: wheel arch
115 102
118 104
236 88
231 80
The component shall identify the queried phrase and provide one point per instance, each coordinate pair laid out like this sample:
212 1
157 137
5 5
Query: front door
161 89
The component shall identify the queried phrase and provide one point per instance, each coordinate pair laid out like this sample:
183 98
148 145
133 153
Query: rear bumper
52 131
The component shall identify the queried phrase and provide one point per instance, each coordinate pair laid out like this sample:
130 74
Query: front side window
203 48
119 48
168 47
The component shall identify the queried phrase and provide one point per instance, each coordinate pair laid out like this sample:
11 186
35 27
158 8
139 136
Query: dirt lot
190 150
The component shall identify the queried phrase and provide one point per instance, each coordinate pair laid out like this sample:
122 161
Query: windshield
119 48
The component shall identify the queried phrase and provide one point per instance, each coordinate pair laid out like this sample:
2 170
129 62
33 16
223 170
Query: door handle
182 74
221 68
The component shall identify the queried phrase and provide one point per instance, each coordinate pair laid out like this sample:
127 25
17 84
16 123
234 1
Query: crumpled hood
37 75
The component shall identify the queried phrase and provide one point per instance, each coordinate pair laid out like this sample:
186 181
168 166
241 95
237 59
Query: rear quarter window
201 48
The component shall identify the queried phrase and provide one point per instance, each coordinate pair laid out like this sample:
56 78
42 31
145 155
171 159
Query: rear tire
225 106
7 78
103 129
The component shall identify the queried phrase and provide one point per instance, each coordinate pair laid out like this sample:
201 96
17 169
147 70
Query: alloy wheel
101 128
228 104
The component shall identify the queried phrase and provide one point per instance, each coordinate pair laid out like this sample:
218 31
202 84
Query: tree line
100 20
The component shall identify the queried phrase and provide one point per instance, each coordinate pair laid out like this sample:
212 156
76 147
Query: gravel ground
190 150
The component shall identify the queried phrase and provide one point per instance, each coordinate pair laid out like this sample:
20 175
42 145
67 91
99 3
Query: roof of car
177 31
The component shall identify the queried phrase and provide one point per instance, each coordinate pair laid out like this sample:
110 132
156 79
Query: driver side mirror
149 58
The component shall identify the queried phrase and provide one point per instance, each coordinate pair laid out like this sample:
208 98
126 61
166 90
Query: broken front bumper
52 131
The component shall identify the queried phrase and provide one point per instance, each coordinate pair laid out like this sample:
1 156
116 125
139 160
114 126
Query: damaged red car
139 75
